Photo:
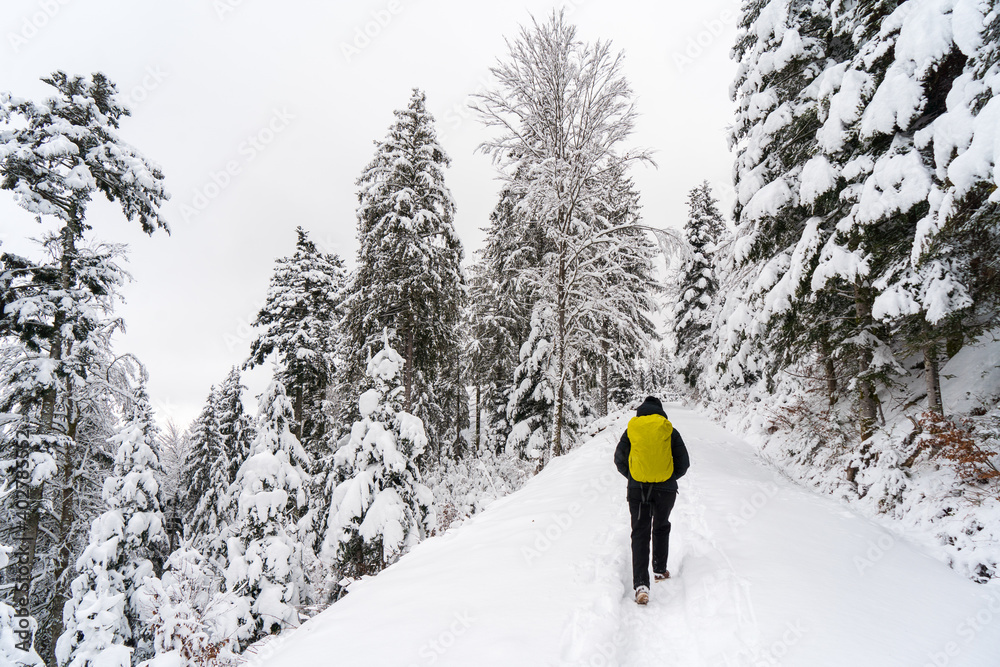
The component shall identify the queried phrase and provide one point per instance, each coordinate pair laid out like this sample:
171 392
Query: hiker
652 456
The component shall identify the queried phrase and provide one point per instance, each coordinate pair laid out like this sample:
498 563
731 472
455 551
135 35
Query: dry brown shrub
971 454
817 429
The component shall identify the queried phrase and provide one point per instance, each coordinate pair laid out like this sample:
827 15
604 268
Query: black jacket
652 406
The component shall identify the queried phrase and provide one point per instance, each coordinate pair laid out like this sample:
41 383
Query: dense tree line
867 236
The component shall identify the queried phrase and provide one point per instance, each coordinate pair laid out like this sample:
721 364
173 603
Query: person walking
652 456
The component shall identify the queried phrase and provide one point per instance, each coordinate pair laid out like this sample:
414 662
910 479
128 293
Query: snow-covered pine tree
226 433
379 506
270 493
622 339
67 150
16 649
105 620
193 623
408 278
886 186
929 176
205 450
76 458
853 122
791 160
58 154
965 227
898 84
173 448
788 55
562 109
236 427
500 311
693 313
299 318
531 403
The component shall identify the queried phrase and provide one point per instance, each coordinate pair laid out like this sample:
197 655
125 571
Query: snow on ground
765 572
971 378
956 522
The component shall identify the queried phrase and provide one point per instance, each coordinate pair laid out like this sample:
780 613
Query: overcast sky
263 113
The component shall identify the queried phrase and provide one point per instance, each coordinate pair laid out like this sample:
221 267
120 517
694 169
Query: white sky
205 76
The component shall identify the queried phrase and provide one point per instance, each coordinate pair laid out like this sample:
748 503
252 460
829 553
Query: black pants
650 518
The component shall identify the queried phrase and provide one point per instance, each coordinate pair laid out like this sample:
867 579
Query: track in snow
764 573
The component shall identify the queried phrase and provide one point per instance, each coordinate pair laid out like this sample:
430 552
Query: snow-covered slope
765 573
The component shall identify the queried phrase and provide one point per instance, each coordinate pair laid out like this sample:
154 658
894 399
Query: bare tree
561 110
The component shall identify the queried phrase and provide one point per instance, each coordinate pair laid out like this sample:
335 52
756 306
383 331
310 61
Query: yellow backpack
651 459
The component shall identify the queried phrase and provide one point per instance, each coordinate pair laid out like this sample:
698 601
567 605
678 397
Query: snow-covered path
764 573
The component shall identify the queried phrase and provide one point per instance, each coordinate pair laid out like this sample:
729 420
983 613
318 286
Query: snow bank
924 499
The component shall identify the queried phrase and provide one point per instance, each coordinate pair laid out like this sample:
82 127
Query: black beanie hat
650 406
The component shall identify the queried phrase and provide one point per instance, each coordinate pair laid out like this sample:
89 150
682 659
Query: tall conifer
408 280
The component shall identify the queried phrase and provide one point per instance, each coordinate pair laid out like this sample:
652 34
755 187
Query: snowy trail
764 573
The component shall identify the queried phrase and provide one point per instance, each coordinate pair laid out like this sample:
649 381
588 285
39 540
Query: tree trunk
50 395
29 532
459 406
67 516
408 370
297 407
48 427
867 410
28 539
478 414
560 361
932 378
829 371
605 370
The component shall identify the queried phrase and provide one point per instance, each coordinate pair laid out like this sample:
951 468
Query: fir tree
778 312
500 310
227 433
299 318
236 427
922 213
201 494
270 492
852 244
693 314
105 619
894 193
531 404
408 279
780 227
379 506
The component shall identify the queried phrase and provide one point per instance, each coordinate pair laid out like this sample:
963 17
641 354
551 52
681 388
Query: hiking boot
642 595
661 576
